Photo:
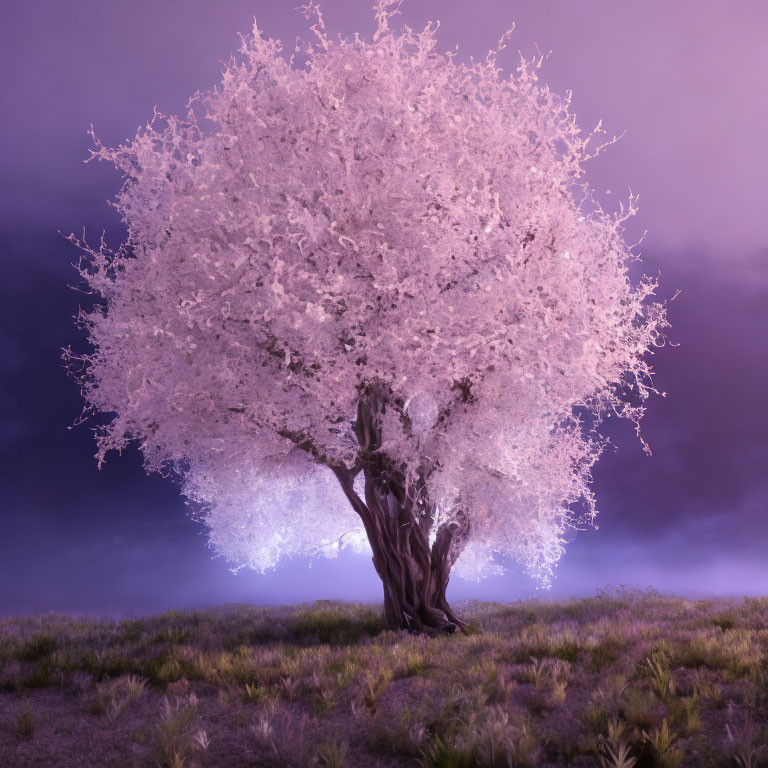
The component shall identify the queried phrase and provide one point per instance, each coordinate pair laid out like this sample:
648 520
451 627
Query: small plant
560 673
537 672
373 687
740 744
289 688
661 677
489 740
415 664
499 743
661 741
255 694
613 750
685 713
496 686
550 679
263 729
557 694
176 738
707 691
284 738
604 701
333 754
611 690
402 733
114 696
640 708
347 674
597 716
25 723
440 754
616 755
201 740
324 699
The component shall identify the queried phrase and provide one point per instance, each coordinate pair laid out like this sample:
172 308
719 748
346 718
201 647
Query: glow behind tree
369 302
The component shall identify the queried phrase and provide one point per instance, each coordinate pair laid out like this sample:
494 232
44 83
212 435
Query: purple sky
686 80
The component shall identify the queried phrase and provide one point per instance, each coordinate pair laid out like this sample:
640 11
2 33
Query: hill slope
668 681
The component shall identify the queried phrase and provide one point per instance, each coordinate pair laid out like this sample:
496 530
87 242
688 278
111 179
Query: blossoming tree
372 302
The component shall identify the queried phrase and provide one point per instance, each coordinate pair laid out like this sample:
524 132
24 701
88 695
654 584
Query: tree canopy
369 216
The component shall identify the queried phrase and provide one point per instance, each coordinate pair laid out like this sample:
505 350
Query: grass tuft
178 737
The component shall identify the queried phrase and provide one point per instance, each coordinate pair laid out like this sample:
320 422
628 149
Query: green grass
629 678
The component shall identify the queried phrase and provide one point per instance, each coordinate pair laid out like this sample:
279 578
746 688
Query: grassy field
616 680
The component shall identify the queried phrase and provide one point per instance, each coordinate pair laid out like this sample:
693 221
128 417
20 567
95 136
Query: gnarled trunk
398 519
415 575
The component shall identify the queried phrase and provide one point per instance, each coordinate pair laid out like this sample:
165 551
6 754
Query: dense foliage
377 220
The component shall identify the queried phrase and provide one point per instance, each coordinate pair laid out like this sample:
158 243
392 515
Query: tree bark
397 520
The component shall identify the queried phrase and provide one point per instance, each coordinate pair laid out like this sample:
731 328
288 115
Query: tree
378 278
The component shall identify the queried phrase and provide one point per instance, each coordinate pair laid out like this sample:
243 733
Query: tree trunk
398 520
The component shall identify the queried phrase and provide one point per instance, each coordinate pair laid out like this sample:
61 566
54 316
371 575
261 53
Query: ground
604 681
